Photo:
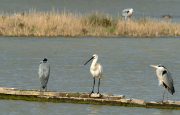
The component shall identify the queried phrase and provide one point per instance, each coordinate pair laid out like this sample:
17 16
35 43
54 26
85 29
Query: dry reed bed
53 23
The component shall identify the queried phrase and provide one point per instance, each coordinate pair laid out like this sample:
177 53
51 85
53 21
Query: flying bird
127 13
44 72
96 70
165 79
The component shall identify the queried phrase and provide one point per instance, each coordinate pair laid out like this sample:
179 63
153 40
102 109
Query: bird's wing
100 70
44 72
125 12
168 81
39 72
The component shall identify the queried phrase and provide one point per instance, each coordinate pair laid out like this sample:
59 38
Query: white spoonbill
165 79
127 13
96 70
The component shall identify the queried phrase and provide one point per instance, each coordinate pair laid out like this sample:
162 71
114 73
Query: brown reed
53 24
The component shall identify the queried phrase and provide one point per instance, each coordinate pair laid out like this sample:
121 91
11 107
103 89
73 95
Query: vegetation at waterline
53 23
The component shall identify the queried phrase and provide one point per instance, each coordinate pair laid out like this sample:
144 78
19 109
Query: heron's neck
159 71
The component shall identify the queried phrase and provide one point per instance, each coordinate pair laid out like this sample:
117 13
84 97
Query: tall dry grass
53 23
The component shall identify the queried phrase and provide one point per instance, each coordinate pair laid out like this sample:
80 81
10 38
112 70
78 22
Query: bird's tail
171 90
43 87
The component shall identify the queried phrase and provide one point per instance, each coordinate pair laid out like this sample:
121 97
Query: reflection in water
94 109
166 111
18 107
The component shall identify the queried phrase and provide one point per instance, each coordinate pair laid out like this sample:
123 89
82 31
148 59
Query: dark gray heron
127 13
44 72
96 70
165 79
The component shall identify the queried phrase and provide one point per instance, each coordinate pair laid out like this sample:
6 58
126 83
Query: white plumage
96 70
127 13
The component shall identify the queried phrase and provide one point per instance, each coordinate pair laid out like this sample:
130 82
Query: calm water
40 108
125 60
153 9
126 70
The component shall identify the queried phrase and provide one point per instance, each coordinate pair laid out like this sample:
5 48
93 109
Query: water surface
42 108
125 61
153 9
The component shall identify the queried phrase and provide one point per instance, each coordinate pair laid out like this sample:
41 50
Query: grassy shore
54 23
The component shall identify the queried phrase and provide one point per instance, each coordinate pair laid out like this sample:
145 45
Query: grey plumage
168 81
165 79
44 72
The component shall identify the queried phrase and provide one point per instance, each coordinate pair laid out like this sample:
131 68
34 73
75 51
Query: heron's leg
40 89
167 94
46 87
93 86
163 94
98 85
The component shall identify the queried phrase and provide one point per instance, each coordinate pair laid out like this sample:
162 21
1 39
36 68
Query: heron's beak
153 66
41 61
88 61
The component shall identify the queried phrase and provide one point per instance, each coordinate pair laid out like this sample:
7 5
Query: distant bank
54 23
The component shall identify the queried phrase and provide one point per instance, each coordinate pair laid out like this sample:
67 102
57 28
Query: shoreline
66 24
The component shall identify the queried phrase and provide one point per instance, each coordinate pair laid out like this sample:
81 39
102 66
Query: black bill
88 61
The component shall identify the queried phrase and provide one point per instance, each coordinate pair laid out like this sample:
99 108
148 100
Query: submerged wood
166 16
83 98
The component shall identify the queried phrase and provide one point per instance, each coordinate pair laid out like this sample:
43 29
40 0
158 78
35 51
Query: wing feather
125 12
100 71
44 72
168 81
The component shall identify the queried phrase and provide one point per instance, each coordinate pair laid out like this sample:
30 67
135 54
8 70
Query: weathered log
83 98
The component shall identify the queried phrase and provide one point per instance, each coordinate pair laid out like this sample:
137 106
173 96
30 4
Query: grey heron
44 72
96 70
165 79
127 13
